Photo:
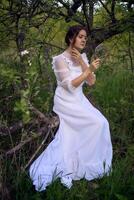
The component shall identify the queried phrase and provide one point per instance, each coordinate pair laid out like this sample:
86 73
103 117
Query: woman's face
80 40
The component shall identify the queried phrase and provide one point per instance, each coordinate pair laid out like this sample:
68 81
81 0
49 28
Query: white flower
22 53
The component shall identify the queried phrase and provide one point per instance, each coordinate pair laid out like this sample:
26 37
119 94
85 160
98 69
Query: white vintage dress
82 145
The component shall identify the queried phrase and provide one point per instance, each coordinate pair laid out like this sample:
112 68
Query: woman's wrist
86 73
84 66
87 69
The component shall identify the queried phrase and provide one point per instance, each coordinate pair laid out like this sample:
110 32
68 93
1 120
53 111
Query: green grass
117 186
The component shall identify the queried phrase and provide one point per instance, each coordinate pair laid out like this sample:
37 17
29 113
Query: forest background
31 33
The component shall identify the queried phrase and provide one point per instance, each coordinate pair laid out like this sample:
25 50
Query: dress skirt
82 145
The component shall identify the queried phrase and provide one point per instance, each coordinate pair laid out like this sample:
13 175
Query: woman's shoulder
56 59
57 56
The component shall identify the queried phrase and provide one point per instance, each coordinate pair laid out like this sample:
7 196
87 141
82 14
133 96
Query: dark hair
72 33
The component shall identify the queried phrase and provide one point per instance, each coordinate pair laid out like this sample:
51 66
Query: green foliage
21 106
116 97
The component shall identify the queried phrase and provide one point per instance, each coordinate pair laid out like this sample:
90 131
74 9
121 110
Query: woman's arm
91 78
64 76
77 81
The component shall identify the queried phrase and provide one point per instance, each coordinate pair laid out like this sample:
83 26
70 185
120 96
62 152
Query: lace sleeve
62 73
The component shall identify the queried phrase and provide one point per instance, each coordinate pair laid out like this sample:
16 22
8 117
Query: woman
82 145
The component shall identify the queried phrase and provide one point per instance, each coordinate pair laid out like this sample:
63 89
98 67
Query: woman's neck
68 54
68 51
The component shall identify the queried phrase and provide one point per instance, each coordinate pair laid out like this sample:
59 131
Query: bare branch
111 13
113 10
130 53
53 123
104 6
38 113
91 12
103 33
86 16
74 18
12 129
21 144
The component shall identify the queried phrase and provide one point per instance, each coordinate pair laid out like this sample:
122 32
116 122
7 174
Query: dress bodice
66 70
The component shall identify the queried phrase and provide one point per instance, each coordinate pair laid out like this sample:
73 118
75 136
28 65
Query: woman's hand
78 58
91 79
95 64
76 55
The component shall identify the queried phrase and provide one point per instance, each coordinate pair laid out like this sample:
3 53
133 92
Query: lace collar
70 62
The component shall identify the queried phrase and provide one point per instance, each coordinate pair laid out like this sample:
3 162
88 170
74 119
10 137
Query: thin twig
36 152
21 144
